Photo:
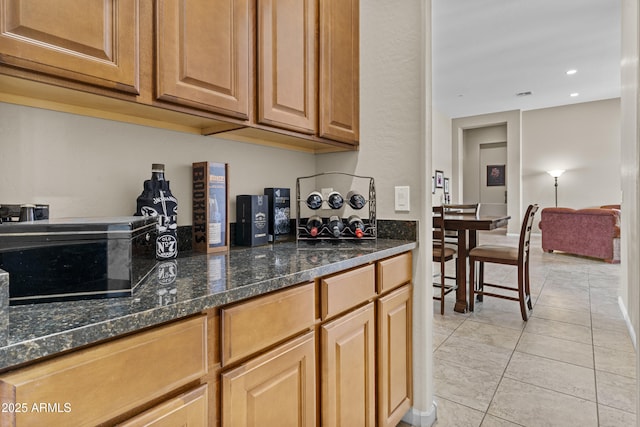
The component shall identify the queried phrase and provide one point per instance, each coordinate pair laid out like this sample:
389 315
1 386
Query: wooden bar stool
500 254
441 254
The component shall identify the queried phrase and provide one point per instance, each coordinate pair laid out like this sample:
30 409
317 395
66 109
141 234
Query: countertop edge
27 351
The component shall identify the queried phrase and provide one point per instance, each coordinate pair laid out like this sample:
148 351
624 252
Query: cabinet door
348 369
339 70
94 42
203 52
287 64
394 356
273 390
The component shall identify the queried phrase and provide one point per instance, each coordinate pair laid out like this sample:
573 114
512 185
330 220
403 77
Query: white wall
583 139
84 166
389 104
441 152
630 150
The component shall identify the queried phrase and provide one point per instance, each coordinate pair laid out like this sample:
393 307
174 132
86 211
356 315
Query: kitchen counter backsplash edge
201 282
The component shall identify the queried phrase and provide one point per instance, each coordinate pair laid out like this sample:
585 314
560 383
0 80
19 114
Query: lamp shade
556 173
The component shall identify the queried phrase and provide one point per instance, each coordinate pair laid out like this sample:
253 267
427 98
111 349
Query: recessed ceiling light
571 72
574 94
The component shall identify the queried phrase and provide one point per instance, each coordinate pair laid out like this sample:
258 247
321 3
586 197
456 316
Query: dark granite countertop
187 286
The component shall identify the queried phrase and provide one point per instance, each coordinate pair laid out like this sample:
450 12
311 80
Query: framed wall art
495 175
439 179
446 186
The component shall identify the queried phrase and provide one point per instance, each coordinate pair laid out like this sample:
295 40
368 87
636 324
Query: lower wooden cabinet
333 352
348 369
395 385
275 389
104 382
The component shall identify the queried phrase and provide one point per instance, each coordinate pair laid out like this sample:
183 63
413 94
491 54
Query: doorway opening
485 165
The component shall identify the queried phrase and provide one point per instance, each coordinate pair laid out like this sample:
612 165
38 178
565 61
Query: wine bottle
314 225
336 225
356 226
335 200
356 200
314 200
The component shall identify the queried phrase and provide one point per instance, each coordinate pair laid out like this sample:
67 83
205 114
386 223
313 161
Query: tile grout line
593 351
511 357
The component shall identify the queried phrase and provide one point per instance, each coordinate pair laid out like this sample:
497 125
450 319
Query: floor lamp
556 174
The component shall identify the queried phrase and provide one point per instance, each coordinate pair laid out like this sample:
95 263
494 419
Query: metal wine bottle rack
332 180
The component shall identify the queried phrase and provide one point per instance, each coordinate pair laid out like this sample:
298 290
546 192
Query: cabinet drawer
92 386
393 272
346 290
189 410
251 326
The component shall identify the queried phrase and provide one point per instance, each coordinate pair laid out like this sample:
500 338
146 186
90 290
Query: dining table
467 226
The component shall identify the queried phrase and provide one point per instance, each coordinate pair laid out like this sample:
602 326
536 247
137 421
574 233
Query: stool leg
521 297
442 289
527 291
472 293
481 281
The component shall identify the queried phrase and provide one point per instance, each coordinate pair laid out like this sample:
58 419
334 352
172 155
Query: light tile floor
571 364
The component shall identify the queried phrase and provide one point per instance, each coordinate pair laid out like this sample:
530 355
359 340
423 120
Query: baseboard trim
421 419
632 333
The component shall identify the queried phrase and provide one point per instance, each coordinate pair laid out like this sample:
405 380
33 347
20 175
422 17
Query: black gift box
279 212
252 219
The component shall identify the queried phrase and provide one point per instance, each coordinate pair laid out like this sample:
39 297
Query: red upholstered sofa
593 232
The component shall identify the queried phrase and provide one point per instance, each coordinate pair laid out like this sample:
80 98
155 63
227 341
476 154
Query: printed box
252 218
210 207
279 213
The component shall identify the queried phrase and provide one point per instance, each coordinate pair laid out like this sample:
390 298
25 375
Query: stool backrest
463 209
525 233
438 226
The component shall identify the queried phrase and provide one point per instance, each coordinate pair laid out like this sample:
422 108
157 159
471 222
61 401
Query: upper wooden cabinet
283 73
203 53
290 53
287 76
339 70
92 42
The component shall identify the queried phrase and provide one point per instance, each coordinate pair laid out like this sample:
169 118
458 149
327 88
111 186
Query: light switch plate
402 202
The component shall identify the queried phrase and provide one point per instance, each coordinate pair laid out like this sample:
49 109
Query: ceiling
487 51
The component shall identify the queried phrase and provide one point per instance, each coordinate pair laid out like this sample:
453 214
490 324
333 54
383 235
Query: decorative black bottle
156 200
